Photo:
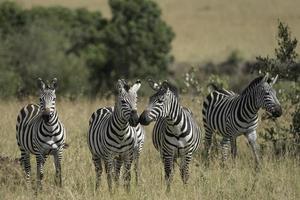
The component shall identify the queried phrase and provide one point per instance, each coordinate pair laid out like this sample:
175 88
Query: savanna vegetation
88 52
278 179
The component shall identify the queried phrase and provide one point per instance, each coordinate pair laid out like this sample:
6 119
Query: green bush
36 53
285 139
137 40
86 52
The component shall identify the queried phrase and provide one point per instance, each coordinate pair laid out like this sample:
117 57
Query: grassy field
278 179
209 30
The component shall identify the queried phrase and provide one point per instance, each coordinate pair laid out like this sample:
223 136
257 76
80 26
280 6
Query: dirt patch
10 170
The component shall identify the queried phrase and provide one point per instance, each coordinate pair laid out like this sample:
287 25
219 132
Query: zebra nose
134 118
277 111
144 118
46 114
46 111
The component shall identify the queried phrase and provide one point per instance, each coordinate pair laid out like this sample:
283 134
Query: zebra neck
175 113
50 126
249 105
119 125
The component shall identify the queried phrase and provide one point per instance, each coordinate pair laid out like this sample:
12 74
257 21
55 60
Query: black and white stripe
232 114
175 133
115 137
40 132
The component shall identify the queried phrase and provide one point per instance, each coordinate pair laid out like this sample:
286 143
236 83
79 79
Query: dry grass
279 179
212 29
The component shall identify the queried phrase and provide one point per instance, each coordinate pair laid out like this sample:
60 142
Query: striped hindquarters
216 109
97 129
24 124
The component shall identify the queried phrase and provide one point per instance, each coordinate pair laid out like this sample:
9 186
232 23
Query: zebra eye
123 101
160 101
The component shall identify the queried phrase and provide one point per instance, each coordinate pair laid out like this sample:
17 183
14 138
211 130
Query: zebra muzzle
47 115
277 111
134 118
145 119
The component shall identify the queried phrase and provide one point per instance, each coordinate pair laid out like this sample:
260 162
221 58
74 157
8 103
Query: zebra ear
120 85
265 78
155 86
54 84
41 84
165 85
274 80
136 86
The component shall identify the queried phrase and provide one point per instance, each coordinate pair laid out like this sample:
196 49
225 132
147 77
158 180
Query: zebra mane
254 83
172 88
213 87
163 89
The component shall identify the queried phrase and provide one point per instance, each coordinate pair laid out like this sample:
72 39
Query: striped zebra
40 132
232 114
175 134
115 137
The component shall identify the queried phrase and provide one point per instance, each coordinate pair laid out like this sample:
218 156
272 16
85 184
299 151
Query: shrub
283 137
138 42
85 51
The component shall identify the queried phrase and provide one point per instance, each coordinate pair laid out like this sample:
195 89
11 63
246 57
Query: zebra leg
252 141
233 148
137 168
118 165
225 146
57 162
98 169
184 168
40 161
207 144
108 169
168 165
127 174
25 163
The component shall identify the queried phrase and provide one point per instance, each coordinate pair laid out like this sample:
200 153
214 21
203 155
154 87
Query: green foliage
284 64
12 18
197 79
197 87
86 52
141 41
295 129
278 135
285 139
285 52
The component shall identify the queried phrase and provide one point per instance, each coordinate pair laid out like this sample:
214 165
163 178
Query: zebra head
126 102
159 103
268 99
47 98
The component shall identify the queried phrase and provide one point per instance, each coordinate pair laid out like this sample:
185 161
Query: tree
284 63
138 42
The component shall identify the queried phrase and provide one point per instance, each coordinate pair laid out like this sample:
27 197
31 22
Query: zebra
175 133
232 114
40 132
115 137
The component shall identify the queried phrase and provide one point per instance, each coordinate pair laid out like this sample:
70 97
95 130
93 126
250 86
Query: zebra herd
116 134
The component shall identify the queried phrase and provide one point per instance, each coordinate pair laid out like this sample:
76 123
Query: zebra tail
66 145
